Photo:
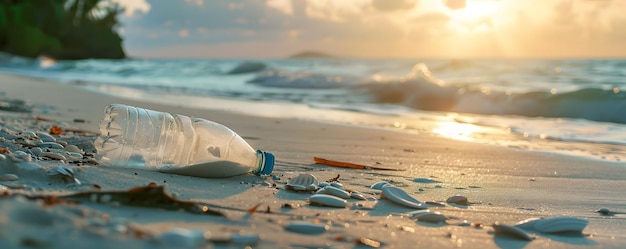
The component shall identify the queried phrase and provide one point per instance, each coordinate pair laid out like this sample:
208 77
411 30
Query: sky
374 28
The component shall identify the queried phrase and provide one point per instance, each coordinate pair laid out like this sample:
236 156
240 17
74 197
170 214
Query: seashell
336 185
75 156
53 155
45 137
321 191
183 238
9 177
428 216
29 134
306 227
53 145
604 211
74 148
425 180
528 224
36 151
560 224
303 182
511 231
323 184
379 185
61 171
330 190
327 200
457 199
357 195
399 196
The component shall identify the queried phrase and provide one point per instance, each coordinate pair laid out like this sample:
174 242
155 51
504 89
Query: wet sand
502 184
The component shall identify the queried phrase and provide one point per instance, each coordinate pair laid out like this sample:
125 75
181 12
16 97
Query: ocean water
571 106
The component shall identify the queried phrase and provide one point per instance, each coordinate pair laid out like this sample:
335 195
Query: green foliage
63 29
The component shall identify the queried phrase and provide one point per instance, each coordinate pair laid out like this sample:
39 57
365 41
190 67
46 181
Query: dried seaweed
150 196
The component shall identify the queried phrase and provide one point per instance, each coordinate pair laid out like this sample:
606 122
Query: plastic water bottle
141 138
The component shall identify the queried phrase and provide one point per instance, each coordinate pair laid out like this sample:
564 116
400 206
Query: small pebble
9 177
45 137
51 145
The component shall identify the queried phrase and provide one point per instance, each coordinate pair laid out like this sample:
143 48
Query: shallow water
566 106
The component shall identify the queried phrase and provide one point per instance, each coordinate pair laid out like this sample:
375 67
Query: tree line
61 29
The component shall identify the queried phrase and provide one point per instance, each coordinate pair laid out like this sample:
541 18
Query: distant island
311 54
61 29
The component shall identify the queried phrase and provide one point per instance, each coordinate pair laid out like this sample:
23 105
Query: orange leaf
56 130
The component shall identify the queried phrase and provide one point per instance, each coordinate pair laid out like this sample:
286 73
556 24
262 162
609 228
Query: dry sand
504 185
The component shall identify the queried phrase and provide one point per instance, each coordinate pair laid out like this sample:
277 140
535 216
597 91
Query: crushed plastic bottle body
137 137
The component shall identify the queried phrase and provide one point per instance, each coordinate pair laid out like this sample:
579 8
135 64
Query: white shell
327 200
336 185
604 211
61 171
74 148
357 195
428 216
457 199
425 180
303 182
330 190
53 145
9 177
511 231
306 227
399 196
46 137
560 224
379 185
528 223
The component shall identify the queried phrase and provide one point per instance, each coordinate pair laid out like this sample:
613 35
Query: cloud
393 5
431 18
379 28
455 4
132 7
284 6
183 33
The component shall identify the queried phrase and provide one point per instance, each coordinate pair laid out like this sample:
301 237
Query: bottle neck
264 163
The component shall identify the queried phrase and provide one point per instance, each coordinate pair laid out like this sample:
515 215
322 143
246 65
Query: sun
476 13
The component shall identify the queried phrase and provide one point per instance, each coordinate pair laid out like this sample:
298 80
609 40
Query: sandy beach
502 185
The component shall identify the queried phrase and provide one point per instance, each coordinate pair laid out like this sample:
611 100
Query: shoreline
506 185
434 124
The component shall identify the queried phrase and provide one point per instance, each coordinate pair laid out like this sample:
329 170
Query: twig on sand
349 165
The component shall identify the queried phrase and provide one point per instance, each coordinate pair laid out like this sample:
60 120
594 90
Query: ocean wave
286 79
248 67
421 90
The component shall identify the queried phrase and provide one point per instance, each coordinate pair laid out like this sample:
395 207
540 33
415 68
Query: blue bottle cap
267 163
